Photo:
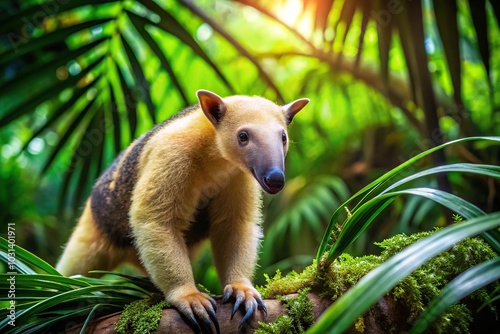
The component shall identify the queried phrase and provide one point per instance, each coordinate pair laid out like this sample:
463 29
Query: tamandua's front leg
158 223
234 235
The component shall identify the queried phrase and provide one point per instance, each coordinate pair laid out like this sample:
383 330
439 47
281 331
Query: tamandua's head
252 133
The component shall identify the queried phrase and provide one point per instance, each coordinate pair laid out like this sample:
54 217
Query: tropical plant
81 79
374 198
98 73
407 53
35 297
44 298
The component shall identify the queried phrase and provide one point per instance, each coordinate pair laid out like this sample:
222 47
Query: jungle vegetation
400 137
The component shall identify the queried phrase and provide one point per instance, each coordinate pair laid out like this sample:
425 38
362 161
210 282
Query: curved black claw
215 321
206 325
200 319
193 323
237 304
262 306
248 314
227 294
213 302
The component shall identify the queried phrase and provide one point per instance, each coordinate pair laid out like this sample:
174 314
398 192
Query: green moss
415 291
141 316
298 319
456 319
425 283
292 283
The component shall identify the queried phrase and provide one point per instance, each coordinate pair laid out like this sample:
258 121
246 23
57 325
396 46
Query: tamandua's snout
274 180
264 153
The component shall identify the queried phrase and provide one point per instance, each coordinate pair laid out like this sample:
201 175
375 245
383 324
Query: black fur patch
110 207
199 229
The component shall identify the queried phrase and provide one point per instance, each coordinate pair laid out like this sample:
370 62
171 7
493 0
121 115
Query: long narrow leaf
362 217
170 24
460 287
27 258
76 121
140 24
61 111
44 95
381 180
485 170
141 83
56 36
78 294
130 101
343 313
10 23
46 69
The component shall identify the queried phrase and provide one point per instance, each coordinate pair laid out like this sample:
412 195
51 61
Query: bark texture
386 316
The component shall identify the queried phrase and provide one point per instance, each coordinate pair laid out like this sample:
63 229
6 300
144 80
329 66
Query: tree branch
385 314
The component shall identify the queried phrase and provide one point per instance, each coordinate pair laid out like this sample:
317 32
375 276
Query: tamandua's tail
88 249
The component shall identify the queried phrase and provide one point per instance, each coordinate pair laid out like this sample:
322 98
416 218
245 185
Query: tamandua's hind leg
88 249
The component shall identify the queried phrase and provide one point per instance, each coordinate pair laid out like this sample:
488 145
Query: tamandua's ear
212 105
292 108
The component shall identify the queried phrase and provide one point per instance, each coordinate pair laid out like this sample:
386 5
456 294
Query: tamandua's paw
199 309
243 292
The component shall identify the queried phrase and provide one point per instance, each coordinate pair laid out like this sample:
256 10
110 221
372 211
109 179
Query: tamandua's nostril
275 179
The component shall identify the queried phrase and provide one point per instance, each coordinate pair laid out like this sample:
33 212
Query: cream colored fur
195 162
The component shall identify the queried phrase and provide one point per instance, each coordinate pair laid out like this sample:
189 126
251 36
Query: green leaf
113 111
343 313
347 16
373 186
241 49
26 258
46 69
44 95
322 12
141 83
57 36
169 24
13 24
96 149
42 325
485 170
367 6
362 217
90 292
76 121
140 24
460 287
130 103
53 280
60 112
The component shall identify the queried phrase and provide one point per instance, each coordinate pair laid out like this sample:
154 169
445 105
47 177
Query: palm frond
100 61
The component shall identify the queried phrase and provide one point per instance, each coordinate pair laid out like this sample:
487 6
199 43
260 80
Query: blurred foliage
387 80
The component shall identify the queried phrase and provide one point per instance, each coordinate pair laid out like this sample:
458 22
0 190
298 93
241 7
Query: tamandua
197 175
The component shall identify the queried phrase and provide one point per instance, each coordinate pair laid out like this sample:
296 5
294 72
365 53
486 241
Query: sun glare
292 13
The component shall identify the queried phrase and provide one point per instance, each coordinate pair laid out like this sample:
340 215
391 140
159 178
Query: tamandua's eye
283 137
243 137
